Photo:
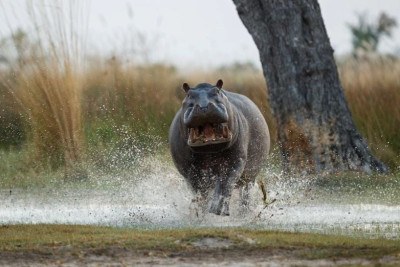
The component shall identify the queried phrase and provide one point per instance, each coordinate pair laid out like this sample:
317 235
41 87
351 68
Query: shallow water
161 199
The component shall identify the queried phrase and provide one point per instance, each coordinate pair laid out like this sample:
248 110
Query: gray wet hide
219 140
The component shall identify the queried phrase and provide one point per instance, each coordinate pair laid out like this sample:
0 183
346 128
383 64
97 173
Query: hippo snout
202 109
200 115
207 125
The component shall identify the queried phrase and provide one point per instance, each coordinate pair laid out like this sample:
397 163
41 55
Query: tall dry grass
46 82
372 88
144 99
140 94
71 108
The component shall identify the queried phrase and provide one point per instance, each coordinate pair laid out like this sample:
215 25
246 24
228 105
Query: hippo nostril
203 109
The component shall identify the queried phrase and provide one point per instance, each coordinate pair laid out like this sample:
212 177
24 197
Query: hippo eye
190 96
213 93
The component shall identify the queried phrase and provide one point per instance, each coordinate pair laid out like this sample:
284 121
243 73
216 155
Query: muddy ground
115 256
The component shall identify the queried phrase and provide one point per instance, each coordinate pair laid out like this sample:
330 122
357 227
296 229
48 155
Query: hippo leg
245 195
220 200
223 189
198 205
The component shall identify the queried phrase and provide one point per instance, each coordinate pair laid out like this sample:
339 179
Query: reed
142 97
372 88
45 80
144 100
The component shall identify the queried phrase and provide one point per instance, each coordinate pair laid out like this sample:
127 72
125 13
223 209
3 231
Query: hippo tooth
225 131
196 135
191 135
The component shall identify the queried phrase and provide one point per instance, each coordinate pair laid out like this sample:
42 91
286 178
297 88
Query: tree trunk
315 129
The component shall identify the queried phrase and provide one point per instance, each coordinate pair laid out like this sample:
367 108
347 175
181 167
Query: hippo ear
186 87
219 84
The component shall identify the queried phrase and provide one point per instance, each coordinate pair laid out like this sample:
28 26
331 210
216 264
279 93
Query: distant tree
14 49
316 132
366 35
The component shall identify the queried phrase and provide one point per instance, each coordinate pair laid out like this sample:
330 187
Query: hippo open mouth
209 134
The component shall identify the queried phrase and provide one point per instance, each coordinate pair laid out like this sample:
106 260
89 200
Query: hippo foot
220 206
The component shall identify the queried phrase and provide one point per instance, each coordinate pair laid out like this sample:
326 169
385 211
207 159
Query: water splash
153 195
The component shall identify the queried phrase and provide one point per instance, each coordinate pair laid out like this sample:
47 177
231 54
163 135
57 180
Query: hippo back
258 133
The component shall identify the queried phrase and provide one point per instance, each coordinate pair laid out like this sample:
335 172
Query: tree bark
315 128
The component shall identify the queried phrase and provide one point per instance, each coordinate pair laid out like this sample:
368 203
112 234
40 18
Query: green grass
50 238
360 188
127 159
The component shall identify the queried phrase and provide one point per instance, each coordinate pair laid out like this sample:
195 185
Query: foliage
12 132
366 36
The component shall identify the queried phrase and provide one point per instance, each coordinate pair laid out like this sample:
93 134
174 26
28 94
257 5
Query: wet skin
218 140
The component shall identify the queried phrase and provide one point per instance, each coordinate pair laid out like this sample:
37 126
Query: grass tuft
45 81
43 239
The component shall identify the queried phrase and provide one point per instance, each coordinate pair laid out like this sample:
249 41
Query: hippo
219 141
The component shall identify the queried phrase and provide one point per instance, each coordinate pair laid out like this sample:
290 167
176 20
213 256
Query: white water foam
161 199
